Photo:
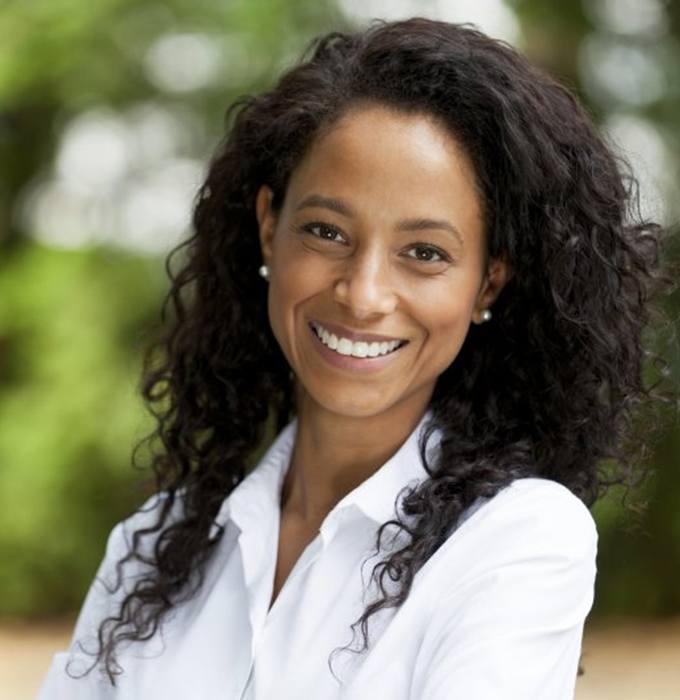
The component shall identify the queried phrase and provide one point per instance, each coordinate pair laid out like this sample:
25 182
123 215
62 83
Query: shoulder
146 517
531 502
535 500
511 590
530 518
534 543
113 581
115 578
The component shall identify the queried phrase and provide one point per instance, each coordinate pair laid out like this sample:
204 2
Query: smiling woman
363 277
447 334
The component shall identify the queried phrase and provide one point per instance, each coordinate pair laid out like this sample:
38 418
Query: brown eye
429 251
326 232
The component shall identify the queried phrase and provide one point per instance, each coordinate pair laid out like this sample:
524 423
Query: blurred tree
71 323
61 57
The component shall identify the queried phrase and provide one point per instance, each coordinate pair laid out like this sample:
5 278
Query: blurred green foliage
72 322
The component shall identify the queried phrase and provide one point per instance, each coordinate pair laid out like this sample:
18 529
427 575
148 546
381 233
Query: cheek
449 321
298 280
446 316
302 277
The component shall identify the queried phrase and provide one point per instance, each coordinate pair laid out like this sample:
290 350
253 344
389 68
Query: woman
446 333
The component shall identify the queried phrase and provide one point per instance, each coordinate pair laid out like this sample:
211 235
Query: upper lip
342 331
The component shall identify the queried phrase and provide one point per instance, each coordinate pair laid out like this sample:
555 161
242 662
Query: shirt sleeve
511 626
62 679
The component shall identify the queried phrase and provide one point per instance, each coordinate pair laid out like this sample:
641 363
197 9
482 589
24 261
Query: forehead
377 155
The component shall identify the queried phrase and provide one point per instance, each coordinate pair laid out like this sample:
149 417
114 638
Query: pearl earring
264 271
486 315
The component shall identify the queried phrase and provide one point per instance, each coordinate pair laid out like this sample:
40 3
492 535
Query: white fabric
496 613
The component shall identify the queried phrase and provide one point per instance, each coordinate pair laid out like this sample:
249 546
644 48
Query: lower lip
354 364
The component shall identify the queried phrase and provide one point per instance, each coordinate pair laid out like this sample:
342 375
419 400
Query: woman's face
380 233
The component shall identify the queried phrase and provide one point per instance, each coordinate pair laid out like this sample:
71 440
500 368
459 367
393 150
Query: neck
334 453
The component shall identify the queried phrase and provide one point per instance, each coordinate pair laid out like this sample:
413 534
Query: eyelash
307 228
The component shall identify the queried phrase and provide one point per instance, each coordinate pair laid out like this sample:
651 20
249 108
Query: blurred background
109 111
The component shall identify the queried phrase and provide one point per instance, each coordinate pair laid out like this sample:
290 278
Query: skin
387 166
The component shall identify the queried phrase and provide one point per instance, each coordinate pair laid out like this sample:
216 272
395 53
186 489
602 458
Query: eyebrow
415 224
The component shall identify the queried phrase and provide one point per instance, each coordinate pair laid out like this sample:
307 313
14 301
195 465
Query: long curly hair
554 387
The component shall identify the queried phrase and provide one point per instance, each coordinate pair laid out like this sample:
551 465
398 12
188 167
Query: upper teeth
344 346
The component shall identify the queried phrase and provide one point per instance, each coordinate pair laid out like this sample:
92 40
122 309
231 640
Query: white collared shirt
496 613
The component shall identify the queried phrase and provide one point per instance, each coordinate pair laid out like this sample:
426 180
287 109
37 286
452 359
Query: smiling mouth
355 349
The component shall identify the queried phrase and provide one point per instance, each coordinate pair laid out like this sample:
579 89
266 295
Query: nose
365 286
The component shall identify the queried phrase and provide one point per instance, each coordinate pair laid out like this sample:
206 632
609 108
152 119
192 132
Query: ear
266 221
497 275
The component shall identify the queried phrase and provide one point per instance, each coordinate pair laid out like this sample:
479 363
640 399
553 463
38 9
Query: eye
429 250
327 232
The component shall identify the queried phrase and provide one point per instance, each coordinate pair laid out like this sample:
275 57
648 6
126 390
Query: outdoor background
109 111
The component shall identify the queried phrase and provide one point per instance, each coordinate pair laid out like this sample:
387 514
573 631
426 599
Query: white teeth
359 349
329 339
344 346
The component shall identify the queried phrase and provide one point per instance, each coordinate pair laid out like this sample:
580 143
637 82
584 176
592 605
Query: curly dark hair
553 388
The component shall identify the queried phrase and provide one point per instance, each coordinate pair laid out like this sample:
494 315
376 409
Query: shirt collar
376 496
257 497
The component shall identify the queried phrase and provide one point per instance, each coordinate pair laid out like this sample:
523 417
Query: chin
352 402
